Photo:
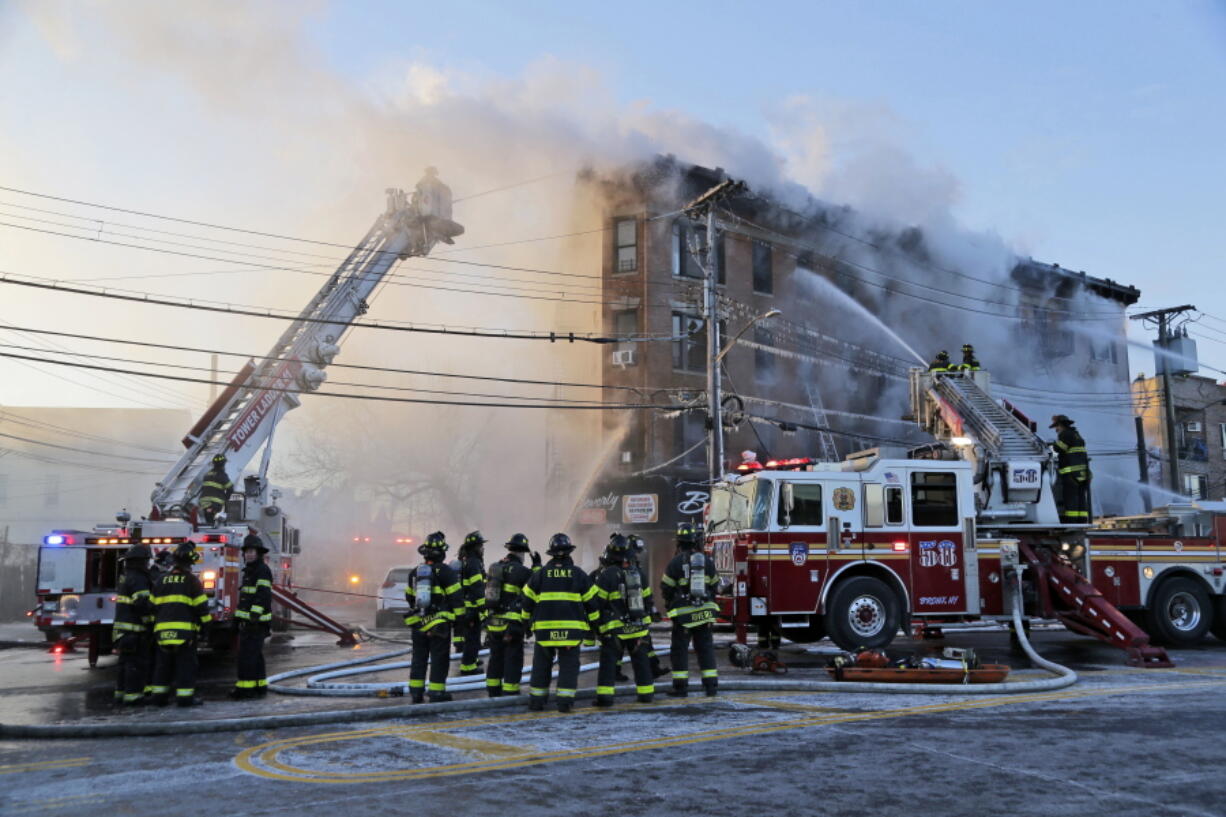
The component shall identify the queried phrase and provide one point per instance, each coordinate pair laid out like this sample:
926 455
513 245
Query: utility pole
710 314
1163 319
1143 464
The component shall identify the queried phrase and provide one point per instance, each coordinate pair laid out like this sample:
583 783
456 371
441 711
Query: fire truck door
886 538
938 558
844 522
798 548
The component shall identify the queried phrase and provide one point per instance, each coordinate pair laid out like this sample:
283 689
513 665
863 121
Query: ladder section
1002 434
825 439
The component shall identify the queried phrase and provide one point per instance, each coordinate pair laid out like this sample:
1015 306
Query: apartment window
625 323
1103 350
691 430
763 361
1196 485
690 351
685 265
763 279
626 256
1221 428
4 488
934 499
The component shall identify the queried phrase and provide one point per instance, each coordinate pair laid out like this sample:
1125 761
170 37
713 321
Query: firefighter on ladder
1073 470
688 588
941 363
466 639
254 615
434 597
133 623
560 601
505 626
215 490
969 362
182 614
625 613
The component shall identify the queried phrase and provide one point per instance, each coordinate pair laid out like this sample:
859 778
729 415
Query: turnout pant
542 669
1074 496
430 649
252 678
611 651
704 648
175 669
505 667
135 667
467 642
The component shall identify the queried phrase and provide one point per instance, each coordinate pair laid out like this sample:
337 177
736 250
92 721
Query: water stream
825 287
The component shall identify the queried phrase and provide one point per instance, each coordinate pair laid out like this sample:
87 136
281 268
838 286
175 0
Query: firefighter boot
417 695
681 688
565 704
536 703
440 697
494 692
604 700
710 684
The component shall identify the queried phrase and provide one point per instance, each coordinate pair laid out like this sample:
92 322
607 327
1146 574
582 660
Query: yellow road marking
266 753
47 804
760 699
33 766
474 746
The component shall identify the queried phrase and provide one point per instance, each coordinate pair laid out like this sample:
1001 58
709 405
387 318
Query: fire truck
79 570
924 538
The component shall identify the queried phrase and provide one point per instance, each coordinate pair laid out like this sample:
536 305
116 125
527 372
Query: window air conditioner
1193 426
623 357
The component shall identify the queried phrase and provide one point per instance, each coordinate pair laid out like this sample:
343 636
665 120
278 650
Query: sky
1088 134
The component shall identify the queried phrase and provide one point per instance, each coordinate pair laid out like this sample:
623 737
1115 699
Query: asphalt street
1122 742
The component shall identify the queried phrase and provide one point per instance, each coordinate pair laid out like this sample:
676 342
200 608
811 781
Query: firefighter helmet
252 541
1060 420
560 545
435 546
637 545
138 553
474 540
942 355
518 543
617 549
219 459
162 559
185 554
966 347
687 536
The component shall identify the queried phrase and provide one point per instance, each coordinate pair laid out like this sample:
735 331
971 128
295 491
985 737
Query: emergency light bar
168 540
58 539
793 464
215 537
107 541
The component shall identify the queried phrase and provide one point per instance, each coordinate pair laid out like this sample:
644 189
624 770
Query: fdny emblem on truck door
943 553
799 552
844 499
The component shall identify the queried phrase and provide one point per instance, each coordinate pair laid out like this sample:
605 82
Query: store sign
640 509
592 516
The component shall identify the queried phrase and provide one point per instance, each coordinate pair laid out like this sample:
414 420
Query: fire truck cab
854 549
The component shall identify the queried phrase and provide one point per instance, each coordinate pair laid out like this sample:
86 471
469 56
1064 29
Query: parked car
392 606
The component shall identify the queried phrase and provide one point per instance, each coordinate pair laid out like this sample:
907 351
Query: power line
9 416
350 396
84 450
255 312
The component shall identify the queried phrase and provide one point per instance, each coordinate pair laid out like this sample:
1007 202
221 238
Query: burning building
861 301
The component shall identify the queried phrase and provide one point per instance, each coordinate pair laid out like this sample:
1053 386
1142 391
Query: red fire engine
78 571
858 549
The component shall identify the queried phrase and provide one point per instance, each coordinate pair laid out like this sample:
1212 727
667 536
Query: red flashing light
404 540
367 539
792 464
357 538
58 648
217 537
900 547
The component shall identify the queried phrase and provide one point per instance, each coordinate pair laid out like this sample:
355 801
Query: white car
392 606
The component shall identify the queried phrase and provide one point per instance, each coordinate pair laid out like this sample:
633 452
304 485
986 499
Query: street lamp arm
772 313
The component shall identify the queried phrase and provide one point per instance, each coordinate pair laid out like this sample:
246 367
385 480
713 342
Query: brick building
1200 433
823 364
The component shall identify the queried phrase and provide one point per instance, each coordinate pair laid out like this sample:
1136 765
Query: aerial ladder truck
79 570
928 537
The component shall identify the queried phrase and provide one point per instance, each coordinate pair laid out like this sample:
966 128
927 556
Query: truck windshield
733 506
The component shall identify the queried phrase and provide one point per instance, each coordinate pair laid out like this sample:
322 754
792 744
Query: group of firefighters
1072 459
562 608
161 612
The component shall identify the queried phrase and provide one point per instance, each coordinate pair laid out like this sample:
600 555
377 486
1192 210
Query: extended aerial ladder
247 412
1015 476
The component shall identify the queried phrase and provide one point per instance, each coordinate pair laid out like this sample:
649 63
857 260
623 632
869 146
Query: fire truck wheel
862 612
1181 613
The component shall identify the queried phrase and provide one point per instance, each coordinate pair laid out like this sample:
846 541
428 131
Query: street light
714 408
771 313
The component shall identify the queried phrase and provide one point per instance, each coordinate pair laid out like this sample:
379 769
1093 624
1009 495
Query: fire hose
1062 677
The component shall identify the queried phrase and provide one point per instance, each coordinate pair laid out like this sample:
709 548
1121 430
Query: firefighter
133 626
162 564
560 602
505 626
466 639
254 615
625 613
182 613
969 361
435 598
941 362
215 490
1073 470
688 588
638 553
